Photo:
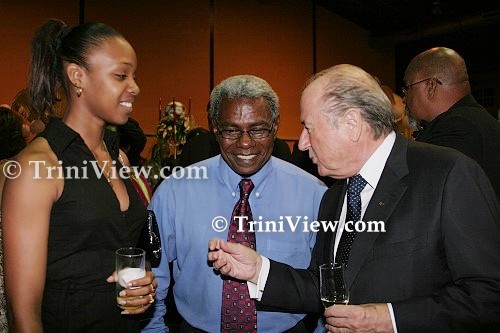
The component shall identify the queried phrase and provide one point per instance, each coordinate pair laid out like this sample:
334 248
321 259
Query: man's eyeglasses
254 133
408 86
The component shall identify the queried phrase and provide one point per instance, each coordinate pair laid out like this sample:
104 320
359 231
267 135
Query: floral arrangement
171 134
173 127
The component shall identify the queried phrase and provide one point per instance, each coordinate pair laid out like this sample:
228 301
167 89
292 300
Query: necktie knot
246 187
356 184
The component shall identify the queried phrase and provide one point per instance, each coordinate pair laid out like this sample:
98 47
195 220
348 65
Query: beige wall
272 39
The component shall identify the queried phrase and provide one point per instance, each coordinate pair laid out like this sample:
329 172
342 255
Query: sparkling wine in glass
333 286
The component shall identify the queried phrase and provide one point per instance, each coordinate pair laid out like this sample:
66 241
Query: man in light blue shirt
245 115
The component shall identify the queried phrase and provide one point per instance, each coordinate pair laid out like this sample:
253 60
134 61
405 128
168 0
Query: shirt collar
66 136
232 179
372 169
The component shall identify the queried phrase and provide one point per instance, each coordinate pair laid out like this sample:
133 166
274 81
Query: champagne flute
333 285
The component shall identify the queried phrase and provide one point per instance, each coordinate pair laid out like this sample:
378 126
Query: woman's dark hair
11 133
53 43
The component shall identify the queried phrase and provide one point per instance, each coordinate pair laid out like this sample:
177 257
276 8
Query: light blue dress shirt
186 209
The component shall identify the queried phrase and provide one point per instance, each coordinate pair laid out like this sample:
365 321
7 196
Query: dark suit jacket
438 262
469 128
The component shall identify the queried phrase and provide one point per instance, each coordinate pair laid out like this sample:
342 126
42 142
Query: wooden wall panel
340 41
19 20
271 40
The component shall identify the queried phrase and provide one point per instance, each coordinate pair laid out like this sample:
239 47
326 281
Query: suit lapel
386 197
330 209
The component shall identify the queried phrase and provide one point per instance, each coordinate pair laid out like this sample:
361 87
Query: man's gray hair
349 87
242 86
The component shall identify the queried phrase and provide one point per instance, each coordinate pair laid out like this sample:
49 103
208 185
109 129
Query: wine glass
333 286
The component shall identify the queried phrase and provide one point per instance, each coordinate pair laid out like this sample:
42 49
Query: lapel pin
381 203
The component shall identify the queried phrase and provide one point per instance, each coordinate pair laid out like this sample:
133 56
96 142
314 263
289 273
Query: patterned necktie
356 185
238 309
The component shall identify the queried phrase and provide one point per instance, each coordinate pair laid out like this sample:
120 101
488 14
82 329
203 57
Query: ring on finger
151 299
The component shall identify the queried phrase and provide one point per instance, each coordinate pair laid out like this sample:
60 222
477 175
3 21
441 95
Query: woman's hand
139 295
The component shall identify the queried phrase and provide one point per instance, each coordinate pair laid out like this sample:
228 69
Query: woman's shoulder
37 150
33 173
36 162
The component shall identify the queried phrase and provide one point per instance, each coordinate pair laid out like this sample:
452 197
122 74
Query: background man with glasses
245 116
438 94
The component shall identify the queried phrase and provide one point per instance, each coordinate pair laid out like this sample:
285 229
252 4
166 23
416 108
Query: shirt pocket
294 253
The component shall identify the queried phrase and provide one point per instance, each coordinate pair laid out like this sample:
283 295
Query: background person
11 133
132 141
60 234
33 123
435 269
438 93
398 106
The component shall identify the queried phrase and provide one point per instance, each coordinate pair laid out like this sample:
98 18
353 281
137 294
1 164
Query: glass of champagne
130 265
333 286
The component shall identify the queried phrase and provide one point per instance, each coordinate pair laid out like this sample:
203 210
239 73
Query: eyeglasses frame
407 87
270 129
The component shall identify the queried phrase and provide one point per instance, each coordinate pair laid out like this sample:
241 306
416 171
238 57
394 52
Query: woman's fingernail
125 312
123 293
122 302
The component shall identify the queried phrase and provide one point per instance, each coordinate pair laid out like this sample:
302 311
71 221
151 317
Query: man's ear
276 126
430 88
353 120
214 129
213 125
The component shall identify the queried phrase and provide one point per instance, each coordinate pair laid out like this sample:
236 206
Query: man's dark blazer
469 128
438 262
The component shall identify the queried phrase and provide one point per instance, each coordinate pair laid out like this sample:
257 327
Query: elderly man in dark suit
436 268
438 92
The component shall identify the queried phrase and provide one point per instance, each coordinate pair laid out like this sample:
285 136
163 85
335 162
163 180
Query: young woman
68 210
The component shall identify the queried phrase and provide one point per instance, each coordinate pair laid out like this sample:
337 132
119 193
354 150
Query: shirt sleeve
256 290
393 319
